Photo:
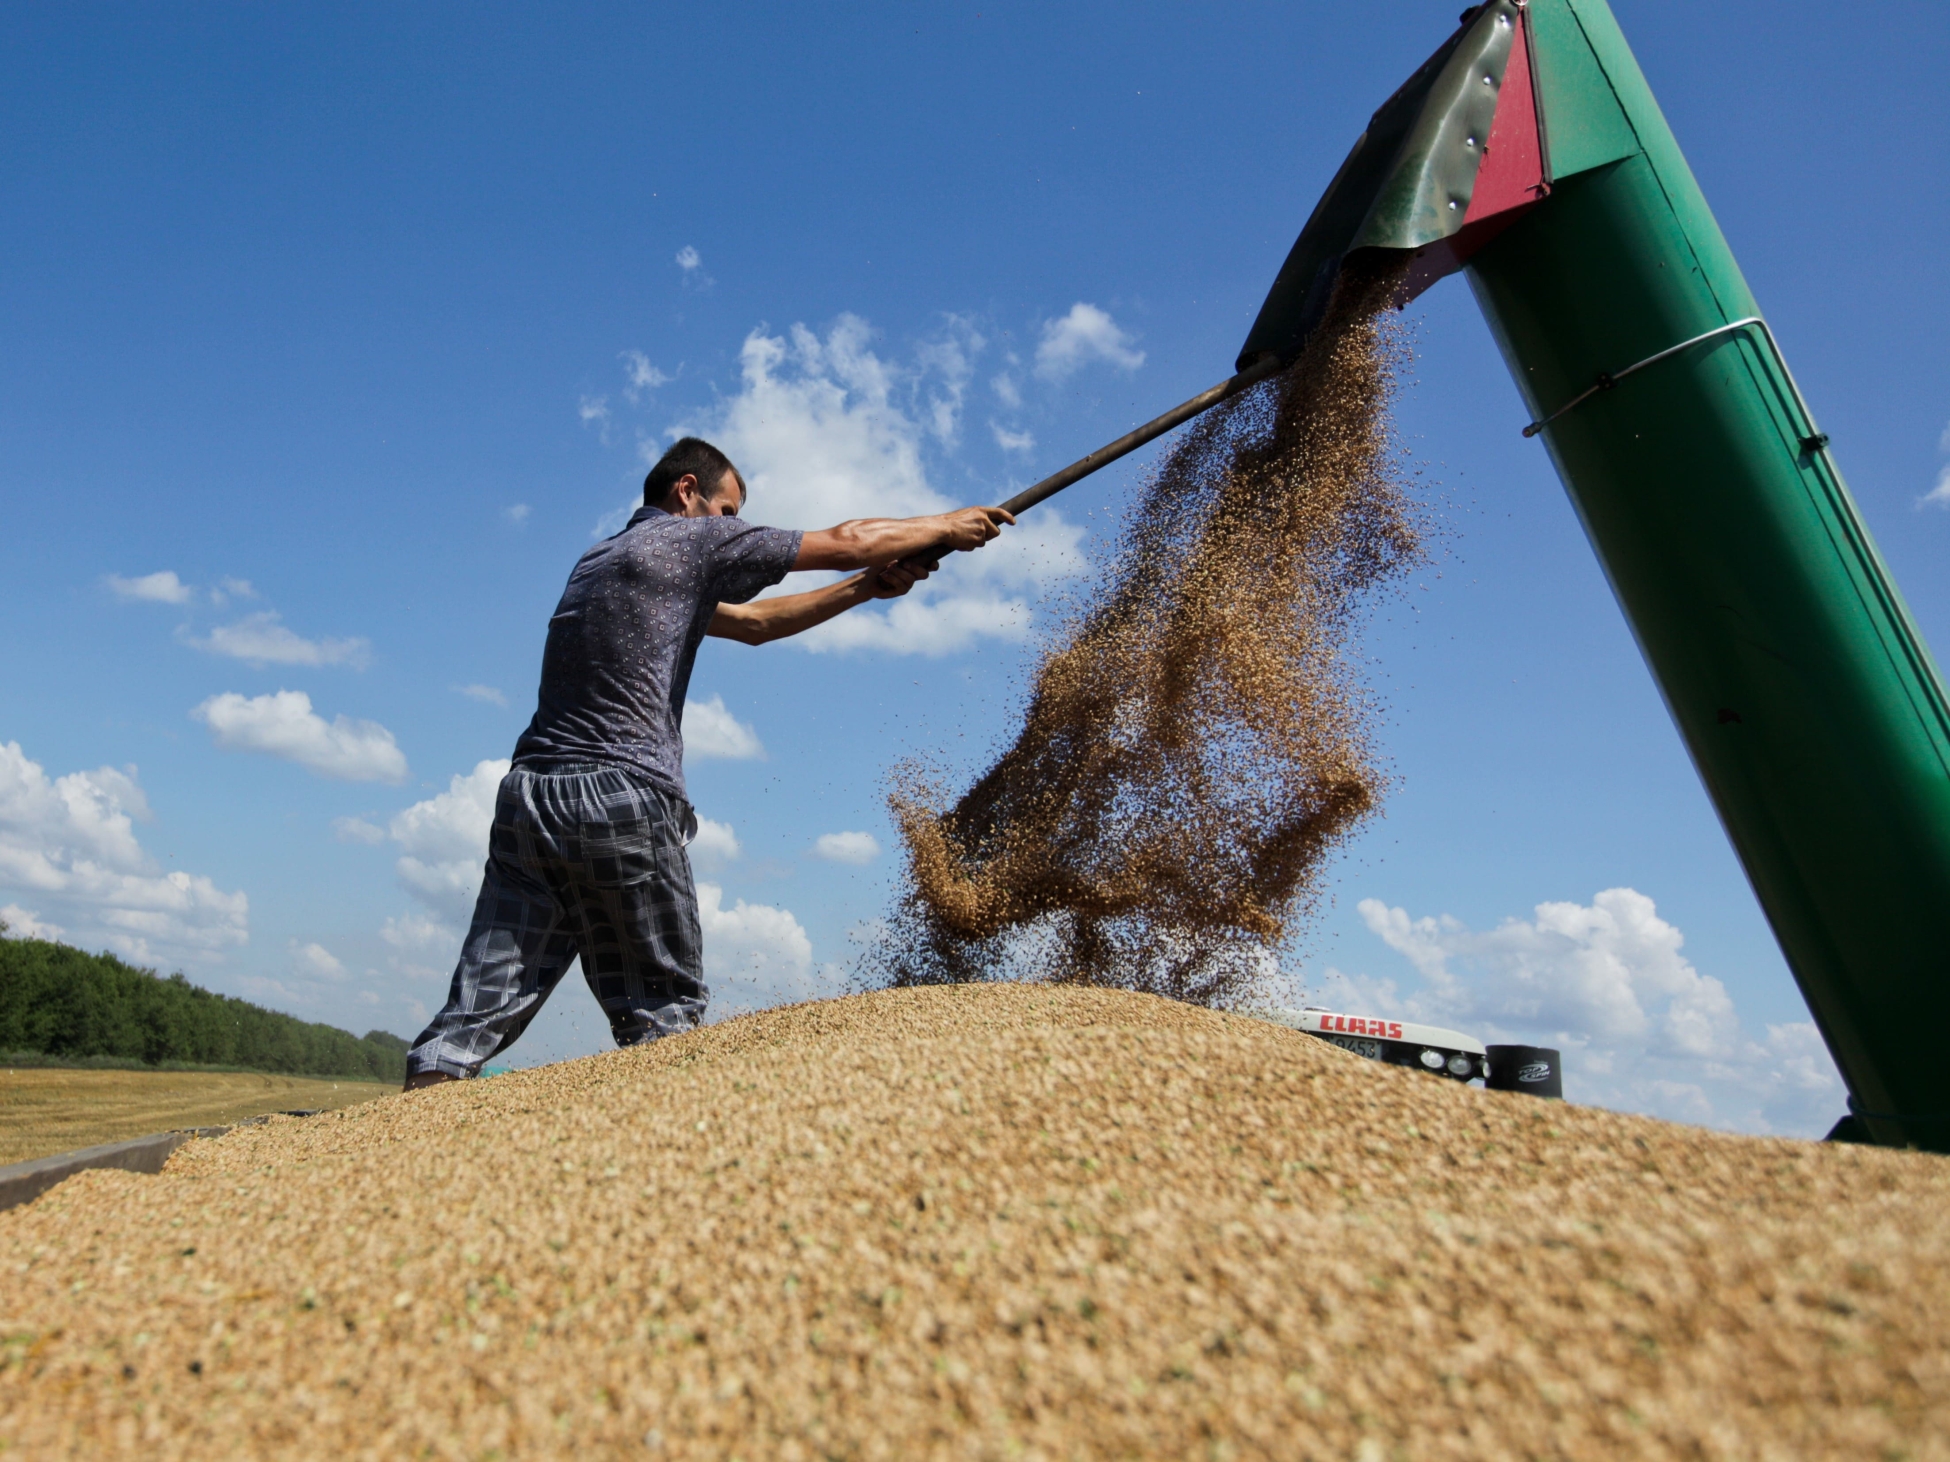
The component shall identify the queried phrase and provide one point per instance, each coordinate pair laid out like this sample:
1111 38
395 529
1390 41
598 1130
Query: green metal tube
1787 658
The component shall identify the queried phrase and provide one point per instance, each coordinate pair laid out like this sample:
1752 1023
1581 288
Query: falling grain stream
1196 744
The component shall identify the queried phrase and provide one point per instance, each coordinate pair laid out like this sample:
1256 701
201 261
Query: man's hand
970 528
897 578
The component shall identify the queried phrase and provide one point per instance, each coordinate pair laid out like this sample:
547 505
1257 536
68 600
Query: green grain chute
1530 153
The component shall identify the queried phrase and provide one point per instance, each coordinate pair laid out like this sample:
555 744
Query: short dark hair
690 457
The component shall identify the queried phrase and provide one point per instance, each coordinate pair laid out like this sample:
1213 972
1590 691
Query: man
587 855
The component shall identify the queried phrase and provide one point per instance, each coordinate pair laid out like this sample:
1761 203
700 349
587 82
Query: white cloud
516 513
1005 387
26 924
485 693
824 430
755 955
68 844
423 948
1640 1027
641 375
444 840
820 430
712 731
692 264
1085 335
259 640
229 588
284 724
158 588
315 961
926 627
1590 970
848 847
357 830
715 843
1939 496
946 362
1012 441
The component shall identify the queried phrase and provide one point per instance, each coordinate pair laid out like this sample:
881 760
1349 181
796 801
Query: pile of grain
1196 744
986 1221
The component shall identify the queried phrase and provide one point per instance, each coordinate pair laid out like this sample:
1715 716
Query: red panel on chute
1509 179
1512 171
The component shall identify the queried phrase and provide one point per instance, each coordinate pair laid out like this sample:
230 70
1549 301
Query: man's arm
876 542
790 614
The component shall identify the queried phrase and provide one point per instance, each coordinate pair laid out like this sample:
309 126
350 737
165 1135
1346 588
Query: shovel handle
1258 371
1252 375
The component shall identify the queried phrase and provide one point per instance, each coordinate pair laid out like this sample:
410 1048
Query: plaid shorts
585 861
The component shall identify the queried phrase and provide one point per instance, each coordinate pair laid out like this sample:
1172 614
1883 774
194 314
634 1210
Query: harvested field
983 1221
45 1110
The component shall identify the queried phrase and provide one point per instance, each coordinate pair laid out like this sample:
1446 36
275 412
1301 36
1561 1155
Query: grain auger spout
1448 162
1528 152
1787 658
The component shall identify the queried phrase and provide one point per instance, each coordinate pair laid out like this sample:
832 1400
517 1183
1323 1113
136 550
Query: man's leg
517 949
636 913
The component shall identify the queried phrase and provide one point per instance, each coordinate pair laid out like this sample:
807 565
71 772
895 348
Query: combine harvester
1528 153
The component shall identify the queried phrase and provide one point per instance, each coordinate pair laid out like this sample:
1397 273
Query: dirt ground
45 1111
998 1222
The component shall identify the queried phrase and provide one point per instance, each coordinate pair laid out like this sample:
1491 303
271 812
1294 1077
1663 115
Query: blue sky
335 333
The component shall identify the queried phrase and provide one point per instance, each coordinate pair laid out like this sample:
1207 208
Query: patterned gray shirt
622 641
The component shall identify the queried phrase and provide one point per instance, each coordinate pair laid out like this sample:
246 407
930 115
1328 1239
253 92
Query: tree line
65 1003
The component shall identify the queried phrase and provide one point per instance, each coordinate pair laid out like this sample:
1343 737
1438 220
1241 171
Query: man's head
694 480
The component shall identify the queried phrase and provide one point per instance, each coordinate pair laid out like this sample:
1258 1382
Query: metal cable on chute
1811 440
